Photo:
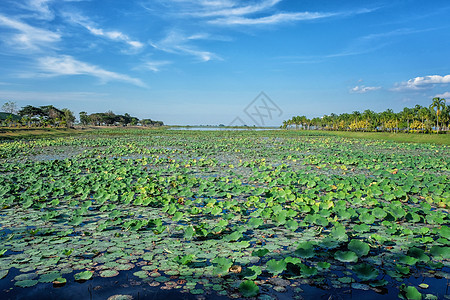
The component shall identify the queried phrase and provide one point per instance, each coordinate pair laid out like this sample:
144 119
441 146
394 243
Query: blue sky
205 62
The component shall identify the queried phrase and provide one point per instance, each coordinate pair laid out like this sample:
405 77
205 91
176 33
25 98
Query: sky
231 62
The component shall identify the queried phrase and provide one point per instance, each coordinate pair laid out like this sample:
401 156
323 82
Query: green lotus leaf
276 267
365 272
346 279
26 283
291 225
367 218
233 236
323 265
409 293
141 274
3 273
260 252
305 250
307 271
408 260
177 216
185 259
108 273
60 281
346 256
293 260
445 232
189 232
221 270
86 275
252 272
440 252
405 270
379 213
50 277
339 233
27 276
248 289
361 228
359 247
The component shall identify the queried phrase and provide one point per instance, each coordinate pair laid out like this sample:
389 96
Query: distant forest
418 119
50 116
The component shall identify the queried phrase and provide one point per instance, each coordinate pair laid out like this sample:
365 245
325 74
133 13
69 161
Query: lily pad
346 256
86 275
26 283
248 289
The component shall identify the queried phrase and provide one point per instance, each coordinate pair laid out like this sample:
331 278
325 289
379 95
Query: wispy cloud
272 19
421 83
113 35
361 89
178 43
445 95
245 13
40 9
26 36
67 65
154 66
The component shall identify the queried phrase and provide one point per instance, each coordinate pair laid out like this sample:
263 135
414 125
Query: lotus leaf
346 256
365 272
86 275
248 289
276 267
26 283
305 250
359 247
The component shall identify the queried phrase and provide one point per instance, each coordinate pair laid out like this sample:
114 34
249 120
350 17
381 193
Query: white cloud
228 8
113 35
445 95
420 83
154 66
178 43
40 9
272 19
28 37
364 89
67 65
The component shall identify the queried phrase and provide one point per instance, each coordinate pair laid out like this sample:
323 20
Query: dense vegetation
237 214
417 119
50 116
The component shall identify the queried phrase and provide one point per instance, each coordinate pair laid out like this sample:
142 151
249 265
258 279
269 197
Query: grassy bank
26 133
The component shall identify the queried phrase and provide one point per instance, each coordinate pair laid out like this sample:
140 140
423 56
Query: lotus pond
157 214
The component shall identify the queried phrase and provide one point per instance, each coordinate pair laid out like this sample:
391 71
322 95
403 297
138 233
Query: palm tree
423 114
407 115
439 104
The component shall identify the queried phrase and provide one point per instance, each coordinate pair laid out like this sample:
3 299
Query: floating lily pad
365 272
86 275
109 273
359 247
248 289
26 283
346 256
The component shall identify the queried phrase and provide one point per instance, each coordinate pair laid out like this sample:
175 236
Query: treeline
110 119
42 116
420 119
50 116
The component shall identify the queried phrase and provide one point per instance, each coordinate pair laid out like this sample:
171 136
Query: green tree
10 107
84 118
68 117
439 104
